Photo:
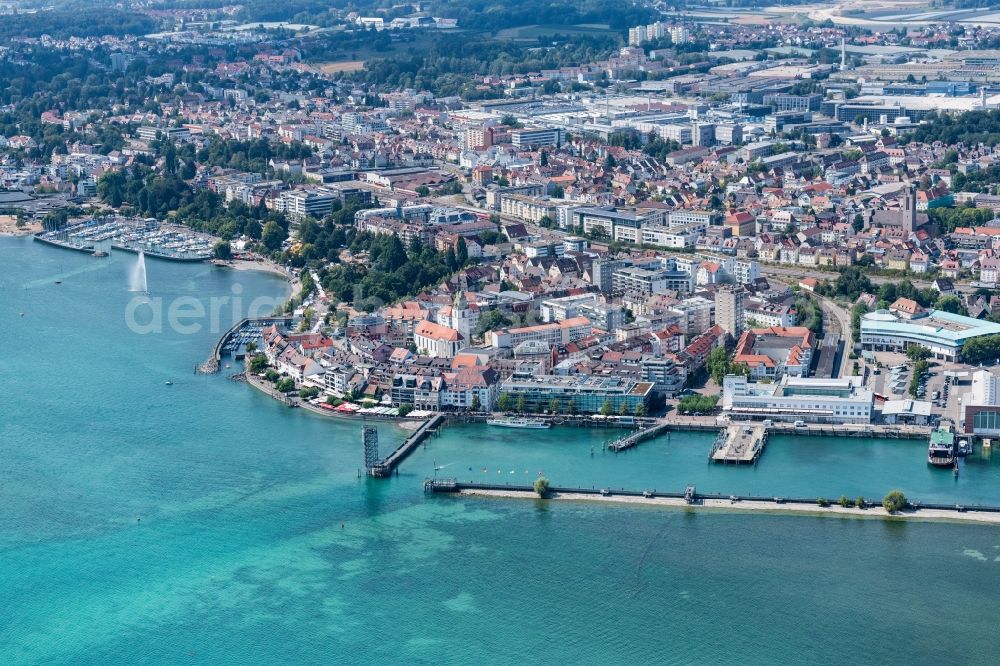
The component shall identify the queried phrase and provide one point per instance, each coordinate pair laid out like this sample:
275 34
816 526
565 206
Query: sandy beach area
264 267
8 227
246 265
740 507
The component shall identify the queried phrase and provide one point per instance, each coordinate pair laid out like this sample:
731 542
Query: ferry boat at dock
941 449
510 422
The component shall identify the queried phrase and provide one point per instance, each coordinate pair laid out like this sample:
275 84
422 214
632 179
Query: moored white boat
515 422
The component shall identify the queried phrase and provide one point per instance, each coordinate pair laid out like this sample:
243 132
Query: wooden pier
653 431
387 465
739 443
628 441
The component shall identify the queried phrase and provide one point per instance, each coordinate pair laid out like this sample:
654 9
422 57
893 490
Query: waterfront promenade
681 422
646 428
293 400
265 386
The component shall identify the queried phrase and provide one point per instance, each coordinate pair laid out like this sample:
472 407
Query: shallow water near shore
205 523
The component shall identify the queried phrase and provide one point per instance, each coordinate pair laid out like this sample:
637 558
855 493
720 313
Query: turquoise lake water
204 523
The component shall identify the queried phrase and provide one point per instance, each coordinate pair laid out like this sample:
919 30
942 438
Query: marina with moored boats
98 236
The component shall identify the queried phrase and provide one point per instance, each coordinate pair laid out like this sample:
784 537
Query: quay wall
872 507
64 246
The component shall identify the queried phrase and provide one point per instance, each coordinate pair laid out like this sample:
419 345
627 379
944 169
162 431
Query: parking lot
895 384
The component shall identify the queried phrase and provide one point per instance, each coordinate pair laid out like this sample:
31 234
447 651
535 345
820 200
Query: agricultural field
341 66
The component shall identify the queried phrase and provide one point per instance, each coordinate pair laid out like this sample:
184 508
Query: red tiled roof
428 329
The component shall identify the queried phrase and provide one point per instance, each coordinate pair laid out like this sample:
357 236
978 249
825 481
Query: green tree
492 320
857 311
894 501
739 369
950 303
273 235
404 409
555 406
984 349
887 293
541 486
522 404
607 408
918 353
697 404
476 404
918 369
503 402
170 159
111 188
810 313
852 283
258 363
222 250
717 364
285 385
461 252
